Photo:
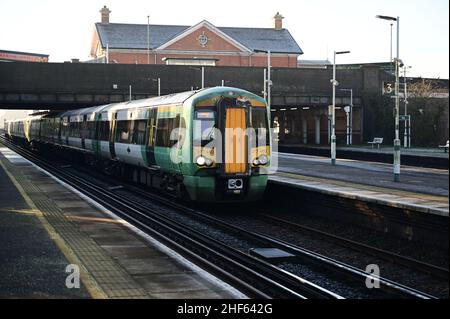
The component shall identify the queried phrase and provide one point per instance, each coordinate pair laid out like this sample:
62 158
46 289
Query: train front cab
233 171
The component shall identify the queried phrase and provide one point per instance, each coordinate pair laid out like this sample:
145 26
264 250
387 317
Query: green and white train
195 144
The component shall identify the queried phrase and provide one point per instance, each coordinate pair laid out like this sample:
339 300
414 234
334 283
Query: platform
384 149
422 157
45 227
420 189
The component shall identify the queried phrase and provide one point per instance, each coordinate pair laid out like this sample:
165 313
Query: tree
429 114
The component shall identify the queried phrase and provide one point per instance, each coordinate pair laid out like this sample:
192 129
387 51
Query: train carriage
211 145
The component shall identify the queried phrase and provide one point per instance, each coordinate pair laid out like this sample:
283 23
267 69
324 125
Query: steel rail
253 276
368 249
390 286
395 288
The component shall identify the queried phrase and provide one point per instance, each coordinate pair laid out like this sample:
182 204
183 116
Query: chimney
278 21
105 15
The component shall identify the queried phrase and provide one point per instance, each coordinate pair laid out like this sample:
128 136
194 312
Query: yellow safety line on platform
96 219
390 191
93 288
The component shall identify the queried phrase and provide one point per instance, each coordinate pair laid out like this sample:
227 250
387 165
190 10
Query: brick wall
236 59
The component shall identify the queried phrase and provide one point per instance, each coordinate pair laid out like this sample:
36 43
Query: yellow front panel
235 141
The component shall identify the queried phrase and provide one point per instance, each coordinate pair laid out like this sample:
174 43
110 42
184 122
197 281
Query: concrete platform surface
414 151
419 189
45 226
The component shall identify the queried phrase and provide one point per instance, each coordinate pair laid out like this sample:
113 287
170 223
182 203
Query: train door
83 131
112 135
235 142
66 130
164 143
131 134
151 137
123 127
104 127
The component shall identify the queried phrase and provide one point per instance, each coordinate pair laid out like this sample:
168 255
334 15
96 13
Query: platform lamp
334 83
407 133
397 62
159 85
350 119
268 81
148 39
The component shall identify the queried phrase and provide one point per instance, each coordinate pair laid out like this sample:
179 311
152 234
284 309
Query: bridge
73 85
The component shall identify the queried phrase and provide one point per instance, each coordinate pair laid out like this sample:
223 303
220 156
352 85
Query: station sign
388 88
404 117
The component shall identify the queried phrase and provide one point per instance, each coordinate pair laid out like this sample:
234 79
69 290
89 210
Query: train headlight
263 159
201 161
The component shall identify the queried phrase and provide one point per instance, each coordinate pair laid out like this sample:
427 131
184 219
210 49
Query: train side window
84 129
91 130
73 129
164 129
65 128
138 136
123 131
204 125
260 124
103 131
78 129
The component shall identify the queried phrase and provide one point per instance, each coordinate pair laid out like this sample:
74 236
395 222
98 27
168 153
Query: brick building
200 44
11 56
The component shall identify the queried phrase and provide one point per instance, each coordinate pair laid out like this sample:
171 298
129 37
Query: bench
445 147
376 140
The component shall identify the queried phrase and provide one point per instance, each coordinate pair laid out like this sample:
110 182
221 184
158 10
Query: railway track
254 277
367 249
257 277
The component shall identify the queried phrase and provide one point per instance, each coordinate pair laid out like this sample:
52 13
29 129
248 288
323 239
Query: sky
63 28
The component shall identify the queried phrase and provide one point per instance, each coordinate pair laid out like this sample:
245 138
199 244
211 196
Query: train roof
29 118
176 98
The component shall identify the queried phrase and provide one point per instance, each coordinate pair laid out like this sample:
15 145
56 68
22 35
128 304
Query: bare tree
421 89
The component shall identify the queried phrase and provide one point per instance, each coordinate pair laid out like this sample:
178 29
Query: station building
202 44
301 98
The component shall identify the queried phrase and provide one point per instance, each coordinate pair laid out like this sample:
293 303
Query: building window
190 61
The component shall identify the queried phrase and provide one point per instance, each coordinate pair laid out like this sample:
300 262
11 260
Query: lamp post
407 133
390 57
264 84
334 83
202 69
397 101
148 39
203 77
159 85
268 81
225 82
350 125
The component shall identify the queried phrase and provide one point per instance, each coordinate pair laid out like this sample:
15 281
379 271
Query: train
208 145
